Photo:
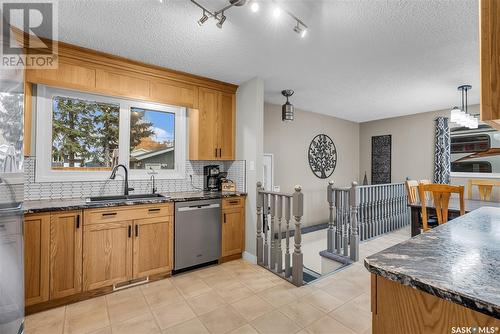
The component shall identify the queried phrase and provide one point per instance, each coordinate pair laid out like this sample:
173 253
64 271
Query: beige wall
412 144
289 142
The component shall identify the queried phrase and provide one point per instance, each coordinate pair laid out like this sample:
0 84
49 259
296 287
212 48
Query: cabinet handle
130 231
224 218
109 214
154 210
234 202
136 230
220 152
77 221
216 152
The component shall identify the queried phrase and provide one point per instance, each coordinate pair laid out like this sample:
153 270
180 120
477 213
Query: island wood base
397 308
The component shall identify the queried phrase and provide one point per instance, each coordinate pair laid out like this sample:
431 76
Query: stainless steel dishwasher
197 235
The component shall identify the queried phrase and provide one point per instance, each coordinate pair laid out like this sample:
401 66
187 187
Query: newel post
298 211
260 243
330 236
354 238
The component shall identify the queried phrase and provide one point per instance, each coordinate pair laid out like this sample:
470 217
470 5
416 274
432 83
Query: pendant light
287 109
461 116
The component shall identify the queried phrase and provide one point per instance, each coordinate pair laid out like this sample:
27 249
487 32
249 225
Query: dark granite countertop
458 261
47 205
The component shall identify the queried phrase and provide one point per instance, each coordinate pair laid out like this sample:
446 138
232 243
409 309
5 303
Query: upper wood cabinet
212 126
490 61
36 258
96 72
65 254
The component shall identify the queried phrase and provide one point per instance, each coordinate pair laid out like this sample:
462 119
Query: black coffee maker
211 173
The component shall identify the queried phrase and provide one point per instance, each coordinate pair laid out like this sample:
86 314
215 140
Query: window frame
43 145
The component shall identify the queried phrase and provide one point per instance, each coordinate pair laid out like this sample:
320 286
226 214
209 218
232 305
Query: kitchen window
82 136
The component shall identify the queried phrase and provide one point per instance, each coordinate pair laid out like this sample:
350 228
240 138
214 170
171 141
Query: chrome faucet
113 175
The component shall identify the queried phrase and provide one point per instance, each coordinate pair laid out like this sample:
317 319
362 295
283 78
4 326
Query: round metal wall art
322 156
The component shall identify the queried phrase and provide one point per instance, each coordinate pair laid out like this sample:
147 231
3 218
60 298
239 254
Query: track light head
203 19
254 6
221 20
276 12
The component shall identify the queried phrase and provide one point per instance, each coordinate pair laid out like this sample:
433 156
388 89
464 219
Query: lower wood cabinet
121 244
65 254
36 258
233 226
107 254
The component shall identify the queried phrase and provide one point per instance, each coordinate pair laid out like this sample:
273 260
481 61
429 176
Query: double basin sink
124 198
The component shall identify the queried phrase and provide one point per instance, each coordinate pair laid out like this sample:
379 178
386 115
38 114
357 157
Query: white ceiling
361 60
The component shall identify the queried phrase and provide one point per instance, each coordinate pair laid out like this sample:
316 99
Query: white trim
249 257
475 175
44 171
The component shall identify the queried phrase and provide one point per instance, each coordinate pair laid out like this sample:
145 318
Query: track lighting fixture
203 19
300 27
221 21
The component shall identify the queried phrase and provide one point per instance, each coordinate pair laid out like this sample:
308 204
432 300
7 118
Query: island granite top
458 261
46 205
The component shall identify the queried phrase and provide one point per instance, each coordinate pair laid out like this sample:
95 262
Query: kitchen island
446 280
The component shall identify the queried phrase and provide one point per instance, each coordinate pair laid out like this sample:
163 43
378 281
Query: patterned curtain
442 151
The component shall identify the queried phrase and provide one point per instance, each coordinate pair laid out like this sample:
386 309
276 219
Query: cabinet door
153 246
203 126
226 123
233 231
65 254
36 258
107 254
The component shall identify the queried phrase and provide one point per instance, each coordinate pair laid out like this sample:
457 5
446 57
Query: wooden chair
427 195
441 196
412 191
485 188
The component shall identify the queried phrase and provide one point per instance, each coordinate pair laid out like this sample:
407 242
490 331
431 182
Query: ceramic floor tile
206 302
222 320
105 330
246 329
143 324
363 301
46 318
278 295
343 289
192 287
193 326
170 315
275 323
86 322
94 304
344 314
157 287
258 284
328 325
54 328
124 308
303 314
233 292
252 307
164 296
322 301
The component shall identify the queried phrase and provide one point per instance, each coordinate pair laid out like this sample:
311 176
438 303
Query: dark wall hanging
322 156
381 159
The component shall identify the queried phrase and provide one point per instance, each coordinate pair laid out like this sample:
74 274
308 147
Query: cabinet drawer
233 202
116 214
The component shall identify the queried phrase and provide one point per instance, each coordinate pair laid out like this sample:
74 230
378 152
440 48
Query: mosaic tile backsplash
56 190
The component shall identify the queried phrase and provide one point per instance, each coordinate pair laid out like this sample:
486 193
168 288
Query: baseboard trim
249 257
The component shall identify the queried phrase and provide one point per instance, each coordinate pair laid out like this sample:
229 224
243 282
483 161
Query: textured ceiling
361 60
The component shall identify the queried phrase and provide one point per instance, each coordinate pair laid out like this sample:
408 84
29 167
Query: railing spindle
260 242
298 260
288 269
279 250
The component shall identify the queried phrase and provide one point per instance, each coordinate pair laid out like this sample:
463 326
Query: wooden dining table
453 210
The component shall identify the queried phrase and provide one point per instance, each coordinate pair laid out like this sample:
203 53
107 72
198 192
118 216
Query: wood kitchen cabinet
65 254
233 226
36 258
107 253
153 246
212 126
489 28
122 244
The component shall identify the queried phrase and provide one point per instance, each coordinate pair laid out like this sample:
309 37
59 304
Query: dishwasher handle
198 207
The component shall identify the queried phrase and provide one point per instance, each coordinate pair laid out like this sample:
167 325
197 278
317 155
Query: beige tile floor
235 297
